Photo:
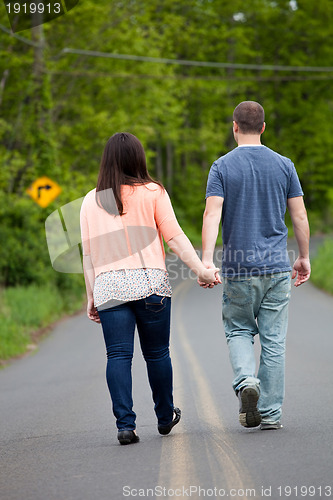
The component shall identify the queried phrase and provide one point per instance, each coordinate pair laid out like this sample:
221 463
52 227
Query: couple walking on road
123 221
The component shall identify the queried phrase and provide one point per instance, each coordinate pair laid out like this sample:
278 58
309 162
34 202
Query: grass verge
322 267
27 311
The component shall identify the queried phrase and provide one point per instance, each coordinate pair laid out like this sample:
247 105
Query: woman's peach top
133 240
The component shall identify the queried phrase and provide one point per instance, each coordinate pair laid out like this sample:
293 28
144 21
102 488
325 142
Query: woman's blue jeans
251 306
152 318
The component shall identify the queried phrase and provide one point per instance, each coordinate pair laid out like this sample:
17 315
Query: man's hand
92 312
210 266
301 269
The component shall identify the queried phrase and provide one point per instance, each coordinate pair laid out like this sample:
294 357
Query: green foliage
322 267
24 258
58 109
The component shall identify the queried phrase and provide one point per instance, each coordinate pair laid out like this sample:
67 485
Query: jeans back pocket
280 288
155 303
237 291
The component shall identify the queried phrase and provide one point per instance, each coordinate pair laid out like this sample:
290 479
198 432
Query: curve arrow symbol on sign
47 187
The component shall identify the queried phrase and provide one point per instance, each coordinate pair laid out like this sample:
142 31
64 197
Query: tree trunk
159 162
169 166
3 83
38 37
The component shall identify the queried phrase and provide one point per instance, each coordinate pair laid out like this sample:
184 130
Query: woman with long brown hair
122 224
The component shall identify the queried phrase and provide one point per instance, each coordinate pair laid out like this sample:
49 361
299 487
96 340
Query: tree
58 108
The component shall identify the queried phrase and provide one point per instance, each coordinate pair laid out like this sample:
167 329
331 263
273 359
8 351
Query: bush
24 255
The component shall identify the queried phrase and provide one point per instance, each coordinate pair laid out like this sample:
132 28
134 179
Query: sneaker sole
271 427
249 416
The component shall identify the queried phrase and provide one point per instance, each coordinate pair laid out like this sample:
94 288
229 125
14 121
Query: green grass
25 310
322 267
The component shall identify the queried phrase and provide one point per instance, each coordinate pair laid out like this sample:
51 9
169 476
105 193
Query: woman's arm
182 247
88 268
89 278
178 242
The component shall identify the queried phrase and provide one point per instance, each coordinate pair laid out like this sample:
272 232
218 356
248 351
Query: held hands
92 312
301 269
209 277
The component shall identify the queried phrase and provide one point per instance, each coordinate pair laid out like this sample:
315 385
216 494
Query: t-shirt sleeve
215 182
295 188
84 231
165 217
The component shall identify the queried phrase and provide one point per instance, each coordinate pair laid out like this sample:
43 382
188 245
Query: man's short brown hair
250 117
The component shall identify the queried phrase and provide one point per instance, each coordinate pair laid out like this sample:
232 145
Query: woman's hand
92 312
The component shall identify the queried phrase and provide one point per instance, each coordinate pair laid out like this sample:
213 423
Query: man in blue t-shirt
250 188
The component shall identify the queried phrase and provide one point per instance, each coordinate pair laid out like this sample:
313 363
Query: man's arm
210 228
299 218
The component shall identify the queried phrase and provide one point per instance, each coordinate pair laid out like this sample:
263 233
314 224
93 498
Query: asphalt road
58 437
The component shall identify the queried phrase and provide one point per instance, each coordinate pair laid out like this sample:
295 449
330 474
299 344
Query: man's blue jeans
152 318
251 306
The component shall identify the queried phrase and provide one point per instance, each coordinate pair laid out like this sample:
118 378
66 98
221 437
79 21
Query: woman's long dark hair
123 162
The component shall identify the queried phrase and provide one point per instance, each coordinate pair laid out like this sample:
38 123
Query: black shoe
127 437
165 429
249 415
266 426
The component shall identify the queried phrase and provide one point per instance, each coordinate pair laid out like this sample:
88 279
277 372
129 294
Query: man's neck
249 139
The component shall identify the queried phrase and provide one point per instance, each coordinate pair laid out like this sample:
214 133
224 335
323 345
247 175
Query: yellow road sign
43 191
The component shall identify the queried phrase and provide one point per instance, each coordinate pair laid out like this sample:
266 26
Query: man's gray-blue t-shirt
255 183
